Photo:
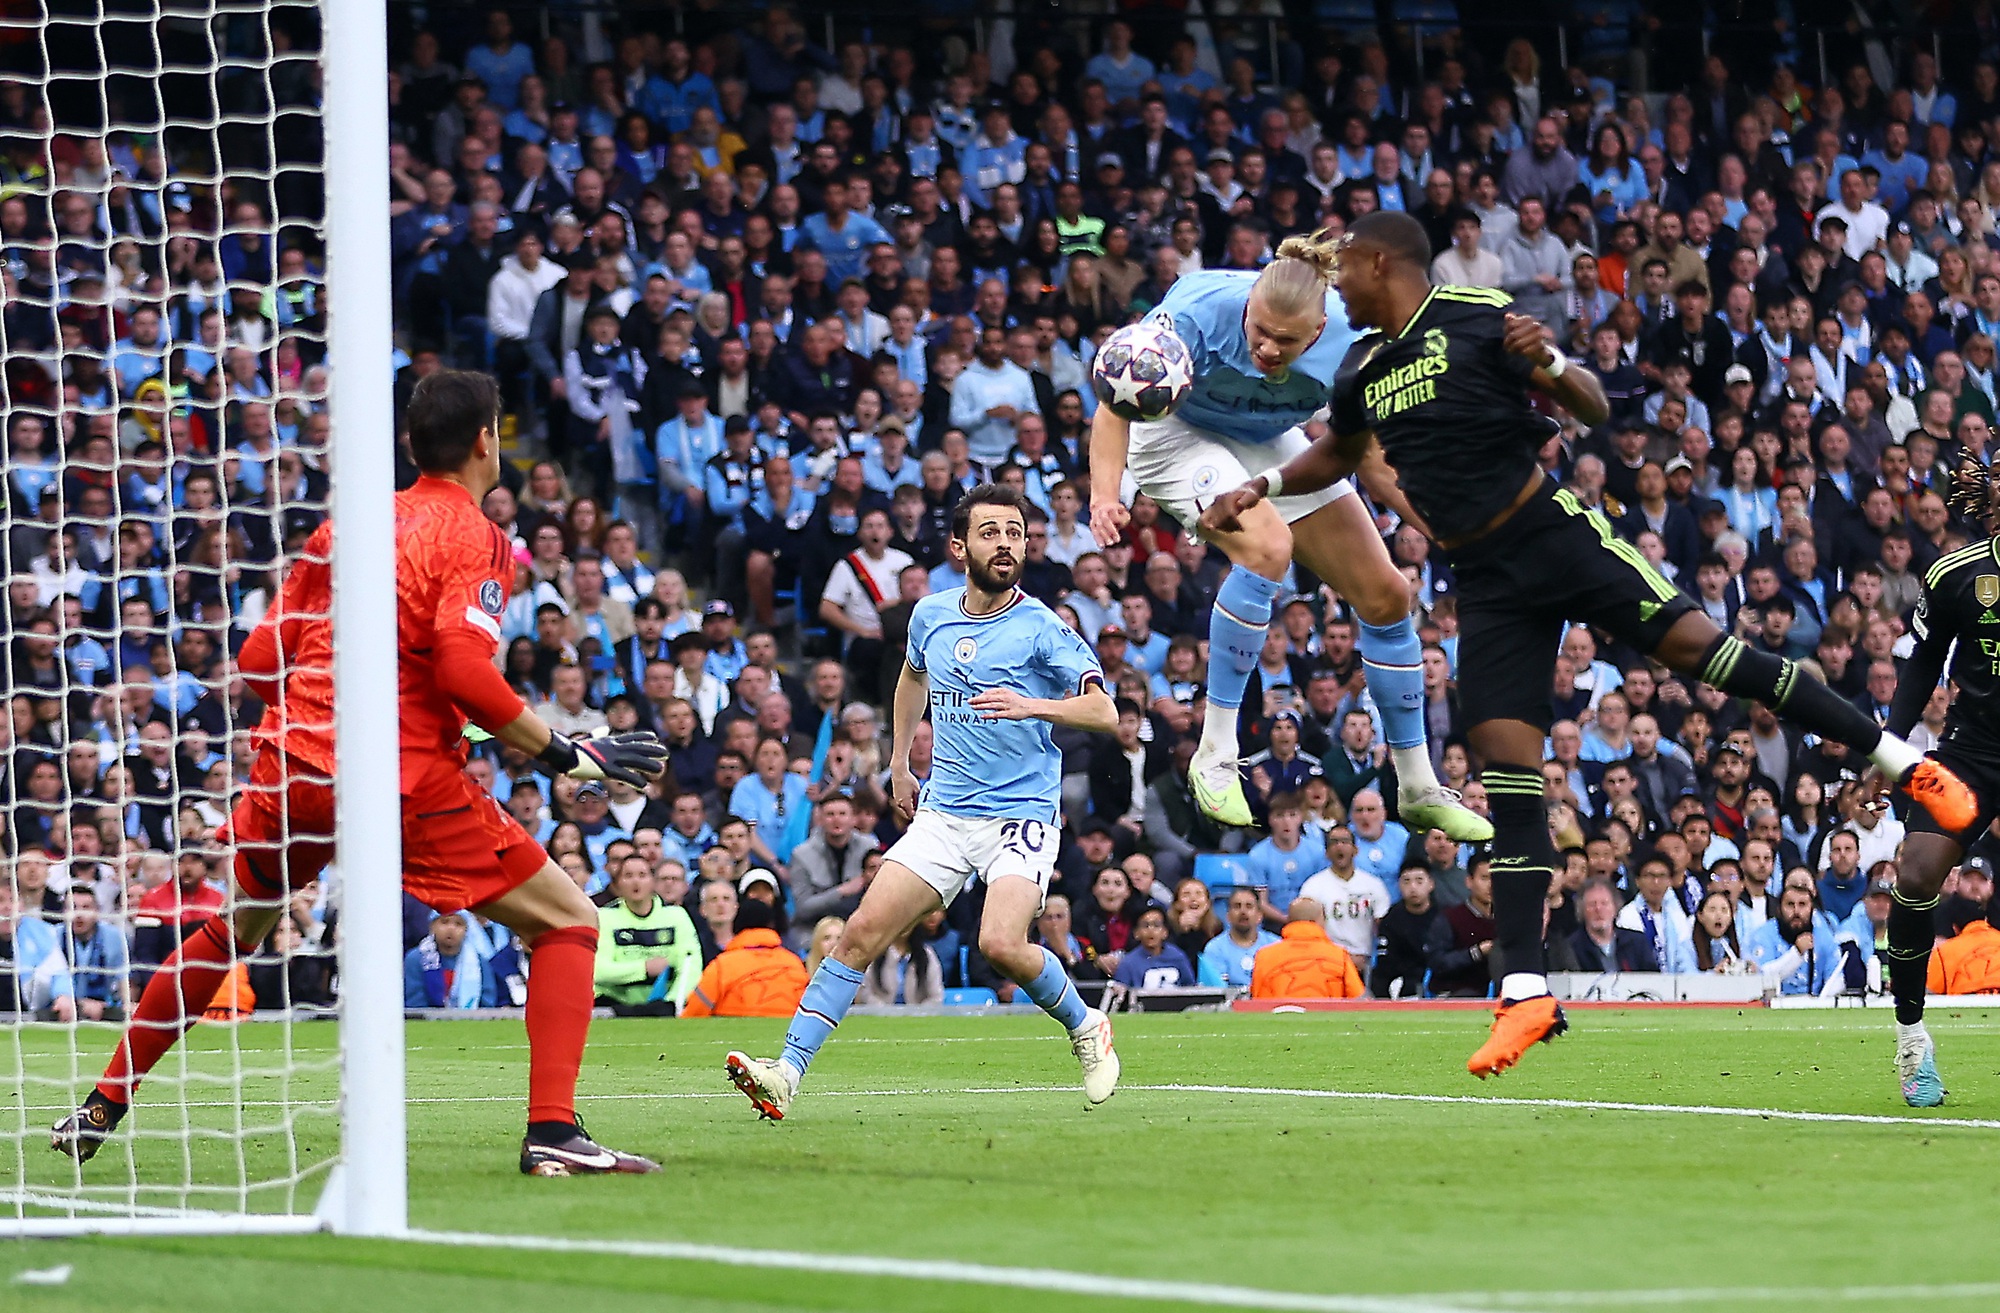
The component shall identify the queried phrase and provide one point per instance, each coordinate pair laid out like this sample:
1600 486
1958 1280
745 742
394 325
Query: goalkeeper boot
570 1151
1091 1042
1515 1026
768 1085
1434 807
1217 785
1916 1067
83 1132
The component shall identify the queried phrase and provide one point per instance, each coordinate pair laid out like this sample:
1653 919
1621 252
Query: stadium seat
1222 871
971 998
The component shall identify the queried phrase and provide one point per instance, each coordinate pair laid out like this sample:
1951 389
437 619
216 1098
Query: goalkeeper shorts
461 848
282 825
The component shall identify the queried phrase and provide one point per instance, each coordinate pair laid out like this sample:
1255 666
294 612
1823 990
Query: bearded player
1265 348
997 669
460 849
1440 388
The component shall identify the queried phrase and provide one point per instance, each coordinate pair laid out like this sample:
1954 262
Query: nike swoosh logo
603 1158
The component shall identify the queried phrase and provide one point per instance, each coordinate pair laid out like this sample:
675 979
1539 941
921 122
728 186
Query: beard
989 577
1793 929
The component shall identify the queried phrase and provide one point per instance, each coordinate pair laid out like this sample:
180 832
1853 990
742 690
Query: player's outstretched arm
913 691
1575 390
1330 459
1091 710
1110 441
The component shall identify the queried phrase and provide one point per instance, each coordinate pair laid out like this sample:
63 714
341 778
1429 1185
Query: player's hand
903 792
1225 513
1524 338
636 759
1005 704
1874 794
1804 943
1107 521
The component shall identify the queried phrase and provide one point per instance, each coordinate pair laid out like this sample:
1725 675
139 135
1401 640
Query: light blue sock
1394 659
1236 626
1055 994
827 998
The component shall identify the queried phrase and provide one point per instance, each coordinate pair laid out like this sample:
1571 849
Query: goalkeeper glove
636 759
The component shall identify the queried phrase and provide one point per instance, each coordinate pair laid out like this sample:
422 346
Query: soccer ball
1142 372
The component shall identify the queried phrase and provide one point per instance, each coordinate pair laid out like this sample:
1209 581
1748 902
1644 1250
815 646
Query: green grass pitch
965 1140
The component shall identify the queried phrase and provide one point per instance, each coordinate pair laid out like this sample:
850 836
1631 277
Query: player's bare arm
1110 441
1325 463
913 691
1378 478
1091 710
1576 390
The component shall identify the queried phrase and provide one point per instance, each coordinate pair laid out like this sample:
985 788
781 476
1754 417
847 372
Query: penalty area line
1051 1280
1511 1300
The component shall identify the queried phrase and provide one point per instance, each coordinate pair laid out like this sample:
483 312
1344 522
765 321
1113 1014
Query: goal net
165 355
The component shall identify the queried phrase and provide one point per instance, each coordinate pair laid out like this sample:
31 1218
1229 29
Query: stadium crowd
765 310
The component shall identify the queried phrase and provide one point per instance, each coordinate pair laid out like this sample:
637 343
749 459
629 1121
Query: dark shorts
1980 769
1550 563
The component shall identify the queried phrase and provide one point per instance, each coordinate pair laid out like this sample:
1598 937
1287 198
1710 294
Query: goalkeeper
460 849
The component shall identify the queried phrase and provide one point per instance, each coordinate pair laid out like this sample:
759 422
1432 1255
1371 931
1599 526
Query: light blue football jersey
1230 396
994 769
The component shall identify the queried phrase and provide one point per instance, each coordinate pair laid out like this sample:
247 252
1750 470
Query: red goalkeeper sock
174 999
562 969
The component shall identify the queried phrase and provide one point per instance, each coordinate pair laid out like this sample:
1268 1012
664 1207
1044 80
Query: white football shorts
950 852
1184 468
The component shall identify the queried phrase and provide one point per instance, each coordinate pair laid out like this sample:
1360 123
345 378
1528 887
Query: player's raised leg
1012 903
1695 647
896 900
559 925
1339 543
1259 556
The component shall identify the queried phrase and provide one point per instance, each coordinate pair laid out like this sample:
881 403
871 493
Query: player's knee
1005 949
1381 597
1264 550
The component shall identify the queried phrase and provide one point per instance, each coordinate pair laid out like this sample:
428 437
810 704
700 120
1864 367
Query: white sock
1413 769
1894 756
793 1072
1910 1031
1517 985
1218 734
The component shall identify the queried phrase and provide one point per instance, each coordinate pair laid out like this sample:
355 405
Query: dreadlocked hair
1973 494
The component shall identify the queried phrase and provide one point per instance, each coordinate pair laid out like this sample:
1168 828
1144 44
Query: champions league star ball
1142 372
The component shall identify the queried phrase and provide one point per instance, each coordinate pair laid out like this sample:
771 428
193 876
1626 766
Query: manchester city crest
964 650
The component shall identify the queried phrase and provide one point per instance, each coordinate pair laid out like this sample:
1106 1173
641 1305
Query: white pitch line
1722 1295
1256 1091
1052 1280
1587 1105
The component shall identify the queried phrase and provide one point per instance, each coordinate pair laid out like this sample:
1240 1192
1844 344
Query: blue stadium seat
1222 872
971 998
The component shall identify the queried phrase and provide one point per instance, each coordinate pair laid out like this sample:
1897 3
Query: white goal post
259 1123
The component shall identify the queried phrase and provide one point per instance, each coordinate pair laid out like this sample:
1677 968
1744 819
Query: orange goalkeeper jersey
454 570
1967 963
288 659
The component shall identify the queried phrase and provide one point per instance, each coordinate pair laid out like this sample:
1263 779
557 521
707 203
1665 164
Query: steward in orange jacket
754 975
1304 963
1967 963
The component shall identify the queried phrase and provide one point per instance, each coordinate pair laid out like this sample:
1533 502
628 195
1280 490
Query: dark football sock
1742 671
1524 862
1908 956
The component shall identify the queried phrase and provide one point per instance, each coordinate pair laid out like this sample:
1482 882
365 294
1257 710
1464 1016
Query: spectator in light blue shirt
768 799
140 355
990 395
1122 70
502 62
1797 949
890 466
842 235
1280 863
1902 170
41 977
98 962
1226 960
1379 843
30 470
